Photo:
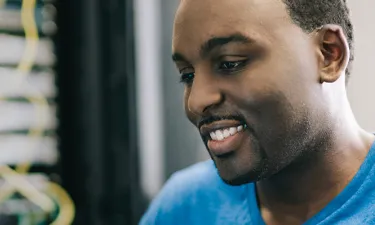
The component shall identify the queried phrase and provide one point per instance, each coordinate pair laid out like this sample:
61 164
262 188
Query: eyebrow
215 42
178 57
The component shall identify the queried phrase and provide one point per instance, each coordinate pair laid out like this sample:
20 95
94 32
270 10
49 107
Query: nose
204 94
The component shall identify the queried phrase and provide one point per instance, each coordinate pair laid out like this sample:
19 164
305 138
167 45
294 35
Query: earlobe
334 52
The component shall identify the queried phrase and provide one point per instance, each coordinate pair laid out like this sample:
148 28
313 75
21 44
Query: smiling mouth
222 134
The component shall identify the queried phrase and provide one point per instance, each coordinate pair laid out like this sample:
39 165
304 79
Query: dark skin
245 60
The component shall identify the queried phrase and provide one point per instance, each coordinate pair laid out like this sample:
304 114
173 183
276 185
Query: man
265 84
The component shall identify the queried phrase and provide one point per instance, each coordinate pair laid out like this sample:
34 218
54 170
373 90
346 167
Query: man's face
251 84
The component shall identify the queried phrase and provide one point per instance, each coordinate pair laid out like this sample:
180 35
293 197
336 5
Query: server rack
30 190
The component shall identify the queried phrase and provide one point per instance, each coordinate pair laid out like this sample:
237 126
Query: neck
300 191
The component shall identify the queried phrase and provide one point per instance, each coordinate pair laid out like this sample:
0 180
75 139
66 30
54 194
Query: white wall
362 83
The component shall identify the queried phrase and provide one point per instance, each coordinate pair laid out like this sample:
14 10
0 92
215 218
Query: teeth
233 131
219 135
226 133
213 136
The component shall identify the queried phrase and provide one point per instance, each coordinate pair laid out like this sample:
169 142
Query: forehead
199 20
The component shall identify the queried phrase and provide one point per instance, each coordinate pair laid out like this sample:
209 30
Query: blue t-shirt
198 196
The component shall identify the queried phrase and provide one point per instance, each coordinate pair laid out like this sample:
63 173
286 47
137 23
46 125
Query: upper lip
206 129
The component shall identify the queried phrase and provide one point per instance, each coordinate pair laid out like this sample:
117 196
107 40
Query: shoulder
184 188
189 182
195 177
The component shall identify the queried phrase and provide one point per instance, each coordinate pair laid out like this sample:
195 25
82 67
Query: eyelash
187 78
226 67
231 66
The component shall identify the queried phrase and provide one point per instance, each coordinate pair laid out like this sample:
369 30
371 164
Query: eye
187 75
187 78
231 66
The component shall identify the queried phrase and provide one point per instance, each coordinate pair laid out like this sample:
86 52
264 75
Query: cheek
268 109
278 123
272 89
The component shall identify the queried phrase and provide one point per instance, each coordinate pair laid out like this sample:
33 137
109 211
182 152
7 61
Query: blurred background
91 114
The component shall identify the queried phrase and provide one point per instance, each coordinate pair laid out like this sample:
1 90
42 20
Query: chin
237 181
236 174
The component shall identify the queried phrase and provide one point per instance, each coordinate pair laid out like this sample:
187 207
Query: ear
333 53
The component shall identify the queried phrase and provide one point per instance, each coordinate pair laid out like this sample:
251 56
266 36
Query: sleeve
168 205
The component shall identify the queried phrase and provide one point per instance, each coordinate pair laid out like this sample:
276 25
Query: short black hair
313 14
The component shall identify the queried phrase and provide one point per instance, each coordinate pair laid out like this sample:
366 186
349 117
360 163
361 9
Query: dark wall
97 130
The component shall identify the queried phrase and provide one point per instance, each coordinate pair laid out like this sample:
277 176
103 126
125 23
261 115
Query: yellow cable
66 205
31 34
26 189
25 65
67 209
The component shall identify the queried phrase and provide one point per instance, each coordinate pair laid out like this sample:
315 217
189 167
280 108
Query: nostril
202 97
